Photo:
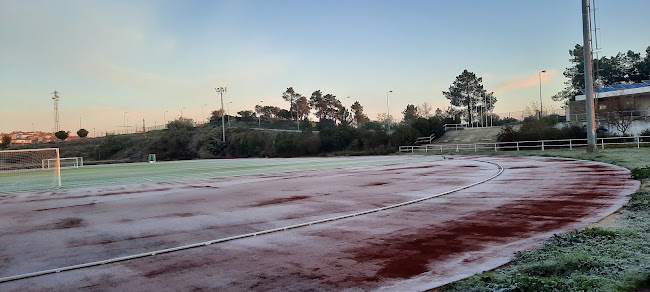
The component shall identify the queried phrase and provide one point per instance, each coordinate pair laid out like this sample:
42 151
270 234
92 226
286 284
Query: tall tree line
628 67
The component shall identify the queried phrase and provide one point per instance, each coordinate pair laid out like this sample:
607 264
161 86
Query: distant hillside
182 142
109 149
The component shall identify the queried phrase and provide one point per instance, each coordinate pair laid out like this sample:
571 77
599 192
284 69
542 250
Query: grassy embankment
613 255
183 141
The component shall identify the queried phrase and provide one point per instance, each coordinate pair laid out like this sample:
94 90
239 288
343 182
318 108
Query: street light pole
346 111
229 113
259 117
483 117
221 91
388 111
202 115
540 93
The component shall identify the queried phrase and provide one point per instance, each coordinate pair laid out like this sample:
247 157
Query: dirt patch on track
68 223
379 183
280 201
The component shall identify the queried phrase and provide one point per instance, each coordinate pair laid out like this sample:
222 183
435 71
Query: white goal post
65 162
22 170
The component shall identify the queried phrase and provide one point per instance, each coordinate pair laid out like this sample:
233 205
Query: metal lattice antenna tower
595 49
56 111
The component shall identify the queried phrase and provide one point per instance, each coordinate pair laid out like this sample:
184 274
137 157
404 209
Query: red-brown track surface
409 248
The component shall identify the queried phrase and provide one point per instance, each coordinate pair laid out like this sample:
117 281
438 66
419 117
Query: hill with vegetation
182 140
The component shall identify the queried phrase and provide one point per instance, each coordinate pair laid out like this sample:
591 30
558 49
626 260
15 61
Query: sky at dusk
119 61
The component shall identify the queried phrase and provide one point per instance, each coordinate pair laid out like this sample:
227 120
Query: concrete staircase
469 136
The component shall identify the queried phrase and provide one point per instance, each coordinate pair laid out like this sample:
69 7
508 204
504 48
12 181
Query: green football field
138 173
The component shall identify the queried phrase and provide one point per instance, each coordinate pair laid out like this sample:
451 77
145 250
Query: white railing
636 141
448 127
425 140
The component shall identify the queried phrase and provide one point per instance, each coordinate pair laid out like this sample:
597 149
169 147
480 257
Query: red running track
414 247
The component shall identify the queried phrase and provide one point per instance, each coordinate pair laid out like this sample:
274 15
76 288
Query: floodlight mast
221 91
589 79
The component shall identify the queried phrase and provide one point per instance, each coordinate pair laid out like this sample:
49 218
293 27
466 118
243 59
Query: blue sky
152 59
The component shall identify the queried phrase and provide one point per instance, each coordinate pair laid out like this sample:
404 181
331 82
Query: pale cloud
523 82
486 76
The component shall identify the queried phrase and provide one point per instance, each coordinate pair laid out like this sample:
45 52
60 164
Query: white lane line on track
231 238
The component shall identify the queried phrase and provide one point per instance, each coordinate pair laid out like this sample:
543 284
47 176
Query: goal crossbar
64 162
25 167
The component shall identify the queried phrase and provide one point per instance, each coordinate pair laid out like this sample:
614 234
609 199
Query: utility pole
589 79
221 91
56 111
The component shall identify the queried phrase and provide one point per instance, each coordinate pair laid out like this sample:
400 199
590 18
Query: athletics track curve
413 247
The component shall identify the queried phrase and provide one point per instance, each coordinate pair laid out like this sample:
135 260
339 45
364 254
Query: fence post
542 145
602 143
638 142
495 147
517 146
440 148
426 149
475 148
570 145
456 147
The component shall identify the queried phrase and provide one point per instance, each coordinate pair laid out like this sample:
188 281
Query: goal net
64 162
24 170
